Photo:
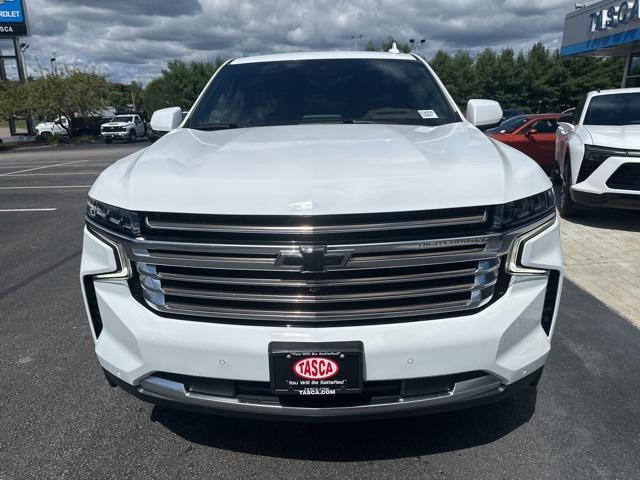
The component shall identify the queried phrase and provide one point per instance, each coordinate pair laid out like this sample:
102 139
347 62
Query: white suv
598 152
324 236
128 126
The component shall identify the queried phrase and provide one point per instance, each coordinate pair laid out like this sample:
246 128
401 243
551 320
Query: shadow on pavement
606 218
356 441
610 219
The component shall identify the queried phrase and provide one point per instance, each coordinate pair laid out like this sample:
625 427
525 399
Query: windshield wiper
215 126
337 118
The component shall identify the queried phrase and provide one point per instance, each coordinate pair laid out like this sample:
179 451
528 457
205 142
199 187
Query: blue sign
13 18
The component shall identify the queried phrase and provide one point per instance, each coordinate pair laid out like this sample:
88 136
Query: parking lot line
53 174
10 210
45 186
40 168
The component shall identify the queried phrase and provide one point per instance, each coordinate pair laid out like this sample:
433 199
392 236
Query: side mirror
567 127
532 131
484 113
166 119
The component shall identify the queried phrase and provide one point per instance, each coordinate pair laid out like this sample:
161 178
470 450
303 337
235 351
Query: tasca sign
13 19
608 27
620 13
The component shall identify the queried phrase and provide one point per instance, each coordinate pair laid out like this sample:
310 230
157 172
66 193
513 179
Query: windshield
512 124
323 91
618 109
123 119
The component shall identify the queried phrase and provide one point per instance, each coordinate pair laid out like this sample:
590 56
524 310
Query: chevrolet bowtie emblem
312 259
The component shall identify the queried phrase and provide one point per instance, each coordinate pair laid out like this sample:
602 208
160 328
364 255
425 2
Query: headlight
527 217
593 153
114 218
524 211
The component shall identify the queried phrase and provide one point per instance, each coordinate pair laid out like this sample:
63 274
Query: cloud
132 40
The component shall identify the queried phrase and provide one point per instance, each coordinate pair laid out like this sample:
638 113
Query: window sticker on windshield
428 114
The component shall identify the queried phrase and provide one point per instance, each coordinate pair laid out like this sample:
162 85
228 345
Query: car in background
125 126
534 135
597 155
59 126
508 113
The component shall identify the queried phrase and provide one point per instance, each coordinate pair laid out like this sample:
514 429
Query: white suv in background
598 152
129 126
323 237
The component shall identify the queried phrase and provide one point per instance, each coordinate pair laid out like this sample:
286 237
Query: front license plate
316 369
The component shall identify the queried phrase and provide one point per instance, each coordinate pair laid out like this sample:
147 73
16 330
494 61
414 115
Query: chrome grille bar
311 229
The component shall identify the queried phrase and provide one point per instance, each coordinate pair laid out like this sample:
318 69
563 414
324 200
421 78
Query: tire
45 135
555 176
567 206
108 140
131 137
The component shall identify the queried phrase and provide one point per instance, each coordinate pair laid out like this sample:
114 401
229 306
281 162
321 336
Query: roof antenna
394 48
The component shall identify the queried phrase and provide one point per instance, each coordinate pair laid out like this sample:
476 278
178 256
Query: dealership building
608 28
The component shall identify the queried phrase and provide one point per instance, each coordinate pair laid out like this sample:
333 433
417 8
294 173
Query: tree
178 85
124 97
71 93
538 80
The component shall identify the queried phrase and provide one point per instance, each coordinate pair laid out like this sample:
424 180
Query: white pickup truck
57 127
325 236
128 126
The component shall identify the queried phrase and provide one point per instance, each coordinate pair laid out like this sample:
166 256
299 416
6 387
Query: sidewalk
602 256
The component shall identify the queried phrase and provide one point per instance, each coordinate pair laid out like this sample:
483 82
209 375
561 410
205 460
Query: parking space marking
54 174
45 186
9 210
40 168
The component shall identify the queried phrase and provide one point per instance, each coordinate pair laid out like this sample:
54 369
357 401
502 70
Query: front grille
626 177
114 129
318 271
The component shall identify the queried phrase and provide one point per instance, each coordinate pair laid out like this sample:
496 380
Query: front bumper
464 394
115 134
595 192
505 340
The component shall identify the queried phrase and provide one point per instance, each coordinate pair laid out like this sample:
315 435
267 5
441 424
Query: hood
319 170
626 136
115 124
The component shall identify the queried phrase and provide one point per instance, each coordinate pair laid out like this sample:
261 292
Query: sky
132 40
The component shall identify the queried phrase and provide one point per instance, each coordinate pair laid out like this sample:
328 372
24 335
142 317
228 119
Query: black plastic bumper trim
611 200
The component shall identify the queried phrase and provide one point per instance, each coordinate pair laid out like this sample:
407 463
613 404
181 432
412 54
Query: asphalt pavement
60 419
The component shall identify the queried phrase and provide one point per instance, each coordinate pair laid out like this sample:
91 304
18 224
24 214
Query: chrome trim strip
315 229
163 389
514 253
121 258
340 315
314 299
144 271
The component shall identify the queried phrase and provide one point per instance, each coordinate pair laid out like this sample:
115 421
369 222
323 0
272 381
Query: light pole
356 39
23 48
414 46
19 49
53 60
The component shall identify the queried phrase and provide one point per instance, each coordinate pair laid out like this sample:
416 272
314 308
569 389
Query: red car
534 135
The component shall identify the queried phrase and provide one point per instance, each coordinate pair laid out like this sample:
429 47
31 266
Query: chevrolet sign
13 19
